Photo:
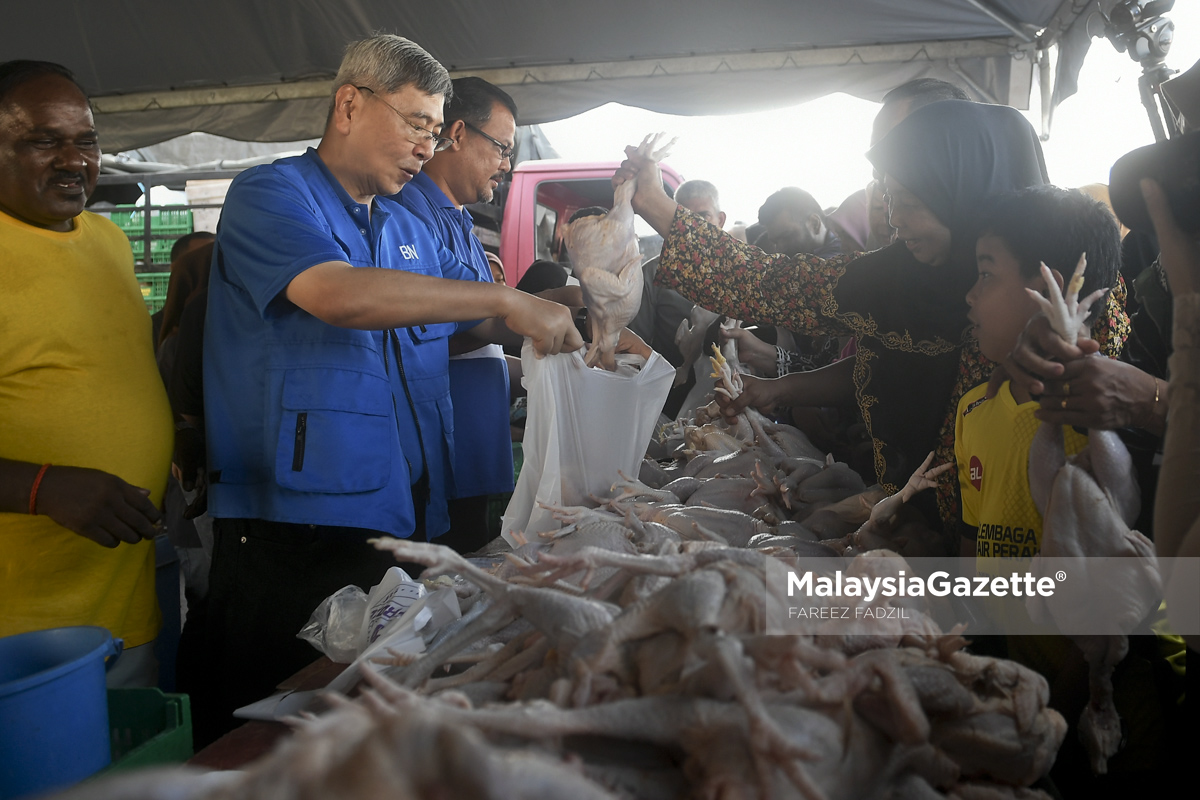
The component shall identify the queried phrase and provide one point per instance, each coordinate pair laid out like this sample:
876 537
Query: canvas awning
261 70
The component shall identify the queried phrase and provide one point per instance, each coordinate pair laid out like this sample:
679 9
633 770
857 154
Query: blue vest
478 385
307 422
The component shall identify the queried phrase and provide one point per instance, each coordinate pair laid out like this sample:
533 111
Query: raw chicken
1087 503
628 655
605 256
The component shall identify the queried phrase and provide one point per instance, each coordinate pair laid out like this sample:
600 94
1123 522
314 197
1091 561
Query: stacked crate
166 225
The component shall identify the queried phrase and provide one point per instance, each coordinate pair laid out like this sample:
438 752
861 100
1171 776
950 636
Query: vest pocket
336 433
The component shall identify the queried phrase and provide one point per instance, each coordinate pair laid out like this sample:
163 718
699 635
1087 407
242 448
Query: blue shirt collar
354 208
438 198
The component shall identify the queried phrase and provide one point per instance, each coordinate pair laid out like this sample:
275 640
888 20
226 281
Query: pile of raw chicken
626 655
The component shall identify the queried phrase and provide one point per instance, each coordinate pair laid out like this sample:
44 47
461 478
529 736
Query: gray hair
694 190
386 63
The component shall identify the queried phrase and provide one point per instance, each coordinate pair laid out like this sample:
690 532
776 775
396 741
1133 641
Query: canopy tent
261 70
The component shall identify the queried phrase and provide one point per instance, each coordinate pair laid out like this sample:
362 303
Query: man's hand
1179 253
97 505
550 326
752 350
1037 357
188 462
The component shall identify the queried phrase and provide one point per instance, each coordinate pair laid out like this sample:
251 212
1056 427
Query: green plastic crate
148 728
171 222
160 250
154 289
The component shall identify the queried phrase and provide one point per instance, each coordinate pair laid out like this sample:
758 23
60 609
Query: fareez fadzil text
938 584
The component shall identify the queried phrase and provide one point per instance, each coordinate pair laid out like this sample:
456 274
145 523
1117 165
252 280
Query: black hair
14 74
923 91
473 100
185 241
590 211
542 275
793 199
1046 224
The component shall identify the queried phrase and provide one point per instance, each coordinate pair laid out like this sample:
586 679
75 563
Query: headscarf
909 318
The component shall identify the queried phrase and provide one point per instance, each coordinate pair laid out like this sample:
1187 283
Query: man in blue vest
480 122
326 387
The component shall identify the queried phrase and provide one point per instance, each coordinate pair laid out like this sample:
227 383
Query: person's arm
1176 503
569 296
753 351
1101 393
91 503
274 245
718 272
828 386
377 299
650 200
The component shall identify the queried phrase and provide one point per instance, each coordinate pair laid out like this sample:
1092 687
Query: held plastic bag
348 621
388 601
335 625
583 427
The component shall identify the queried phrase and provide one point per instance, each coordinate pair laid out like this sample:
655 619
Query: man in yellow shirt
85 427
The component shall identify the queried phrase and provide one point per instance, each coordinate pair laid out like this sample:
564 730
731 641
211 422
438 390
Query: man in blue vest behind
327 401
480 122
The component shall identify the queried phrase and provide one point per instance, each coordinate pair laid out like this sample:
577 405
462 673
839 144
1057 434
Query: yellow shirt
78 387
992 440
991 446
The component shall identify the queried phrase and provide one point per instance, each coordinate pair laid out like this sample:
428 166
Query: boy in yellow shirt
1002 528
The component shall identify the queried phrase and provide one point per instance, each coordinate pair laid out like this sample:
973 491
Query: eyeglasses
419 135
506 152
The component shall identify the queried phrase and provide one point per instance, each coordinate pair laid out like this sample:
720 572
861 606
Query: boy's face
1000 307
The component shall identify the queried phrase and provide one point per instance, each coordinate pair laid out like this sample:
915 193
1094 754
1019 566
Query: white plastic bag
388 601
335 625
349 621
583 427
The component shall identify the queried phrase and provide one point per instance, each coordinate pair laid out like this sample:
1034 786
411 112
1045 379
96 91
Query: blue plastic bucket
53 708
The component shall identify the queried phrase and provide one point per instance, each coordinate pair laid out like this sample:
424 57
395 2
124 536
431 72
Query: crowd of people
330 366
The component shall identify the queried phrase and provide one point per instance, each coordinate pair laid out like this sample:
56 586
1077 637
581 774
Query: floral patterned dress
914 360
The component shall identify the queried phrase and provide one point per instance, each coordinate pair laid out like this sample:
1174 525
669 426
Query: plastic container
160 250
172 222
148 727
53 708
154 289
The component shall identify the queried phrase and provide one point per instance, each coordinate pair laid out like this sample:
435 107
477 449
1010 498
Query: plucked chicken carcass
629 655
605 257
1087 503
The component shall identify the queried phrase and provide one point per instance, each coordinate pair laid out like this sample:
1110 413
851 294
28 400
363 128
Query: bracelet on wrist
33 491
1153 406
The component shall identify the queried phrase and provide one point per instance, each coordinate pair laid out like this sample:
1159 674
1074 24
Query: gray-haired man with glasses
326 383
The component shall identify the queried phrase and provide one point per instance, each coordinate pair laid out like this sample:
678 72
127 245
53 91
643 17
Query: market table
255 738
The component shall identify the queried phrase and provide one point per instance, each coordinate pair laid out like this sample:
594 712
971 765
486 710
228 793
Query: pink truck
541 198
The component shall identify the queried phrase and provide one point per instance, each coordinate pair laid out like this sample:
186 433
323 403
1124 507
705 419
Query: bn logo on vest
409 252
